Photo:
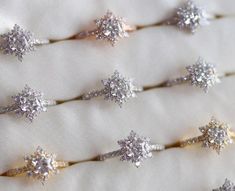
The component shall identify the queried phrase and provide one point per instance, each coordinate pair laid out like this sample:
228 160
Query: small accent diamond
29 103
203 74
17 42
111 28
227 186
216 135
135 148
190 17
41 165
118 89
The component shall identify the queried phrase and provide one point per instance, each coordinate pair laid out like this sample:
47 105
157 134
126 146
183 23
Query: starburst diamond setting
118 88
29 103
17 42
227 186
41 165
110 28
216 135
135 148
190 17
203 74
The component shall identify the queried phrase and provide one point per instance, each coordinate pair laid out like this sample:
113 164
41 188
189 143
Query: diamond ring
19 41
190 17
116 88
28 103
109 27
40 166
133 149
201 74
227 186
215 135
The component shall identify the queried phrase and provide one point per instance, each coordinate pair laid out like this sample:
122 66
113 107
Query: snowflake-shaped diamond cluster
190 17
227 186
118 88
216 135
29 103
135 148
17 42
203 74
110 28
41 165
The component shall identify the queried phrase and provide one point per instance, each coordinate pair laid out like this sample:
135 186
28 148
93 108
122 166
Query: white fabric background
79 130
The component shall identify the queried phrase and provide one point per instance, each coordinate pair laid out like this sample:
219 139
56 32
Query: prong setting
110 28
190 17
29 103
216 135
203 74
135 149
17 42
41 165
118 88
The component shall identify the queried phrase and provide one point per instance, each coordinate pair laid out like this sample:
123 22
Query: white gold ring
29 103
133 149
18 42
116 88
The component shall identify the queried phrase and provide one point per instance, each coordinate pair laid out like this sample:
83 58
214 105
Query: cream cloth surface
79 130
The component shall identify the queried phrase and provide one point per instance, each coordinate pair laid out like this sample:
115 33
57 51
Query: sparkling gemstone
29 103
227 186
111 28
41 165
203 74
190 17
216 135
135 148
17 42
118 88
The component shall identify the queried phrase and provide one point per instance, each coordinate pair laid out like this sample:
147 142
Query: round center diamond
118 88
203 74
17 42
29 103
190 17
110 28
135 148
216 135
40 165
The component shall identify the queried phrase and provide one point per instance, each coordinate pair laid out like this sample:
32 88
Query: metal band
7 109
157 147
177 81
92 94
62 164
191 141
110 155
49 102
15 172
41 42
